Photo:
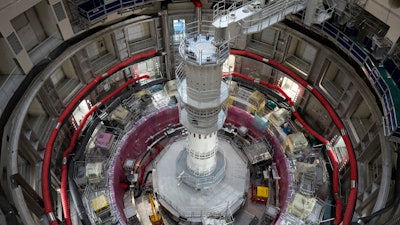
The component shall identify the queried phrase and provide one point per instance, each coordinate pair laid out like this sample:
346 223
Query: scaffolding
258 151
220 215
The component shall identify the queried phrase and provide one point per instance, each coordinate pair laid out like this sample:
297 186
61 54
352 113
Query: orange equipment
156 218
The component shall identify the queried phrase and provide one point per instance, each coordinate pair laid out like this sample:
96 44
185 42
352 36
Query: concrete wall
11 9
42 23
390 16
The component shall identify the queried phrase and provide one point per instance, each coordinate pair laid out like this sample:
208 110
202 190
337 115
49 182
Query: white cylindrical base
202 148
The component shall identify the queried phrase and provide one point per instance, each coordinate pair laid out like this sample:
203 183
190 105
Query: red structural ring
48 208
352 159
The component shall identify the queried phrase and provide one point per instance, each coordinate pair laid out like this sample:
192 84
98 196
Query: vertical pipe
198 5
166 41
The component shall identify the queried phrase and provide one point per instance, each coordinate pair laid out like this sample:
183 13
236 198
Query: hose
147 175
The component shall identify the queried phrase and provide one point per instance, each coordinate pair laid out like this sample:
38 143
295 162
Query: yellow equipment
99 203
262 192
156 218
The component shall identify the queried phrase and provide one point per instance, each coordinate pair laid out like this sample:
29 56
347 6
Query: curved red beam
48 208
197 3
323 140
64 168
352 159
47 157
335 178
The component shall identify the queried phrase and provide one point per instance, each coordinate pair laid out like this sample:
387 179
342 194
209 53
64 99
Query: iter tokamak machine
208 176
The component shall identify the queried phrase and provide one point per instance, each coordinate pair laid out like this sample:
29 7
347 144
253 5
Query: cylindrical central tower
202 94
202 114
209 178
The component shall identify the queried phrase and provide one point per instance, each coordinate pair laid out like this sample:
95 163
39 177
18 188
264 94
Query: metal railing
298 63
277 11
205 26
210 55
219 9
94 14
260 47
219 212
354 50
195 212
141 45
